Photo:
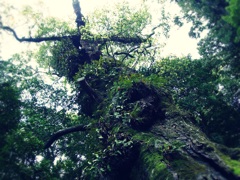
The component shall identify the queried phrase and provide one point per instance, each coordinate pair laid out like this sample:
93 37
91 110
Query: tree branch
37 39
124 53
133 40
63 132
77 10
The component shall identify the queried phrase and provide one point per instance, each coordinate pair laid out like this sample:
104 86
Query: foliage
12 158
28 122
200 11
128 22
195 87
43 27
232 18
61 58
125 18
217 73
219 41
9 107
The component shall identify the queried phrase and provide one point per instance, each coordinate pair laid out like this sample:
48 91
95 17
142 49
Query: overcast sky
178 44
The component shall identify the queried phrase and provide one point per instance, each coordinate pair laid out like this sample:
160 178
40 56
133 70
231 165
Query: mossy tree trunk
159 141
142 134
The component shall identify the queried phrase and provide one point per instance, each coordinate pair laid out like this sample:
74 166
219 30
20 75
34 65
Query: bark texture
167 144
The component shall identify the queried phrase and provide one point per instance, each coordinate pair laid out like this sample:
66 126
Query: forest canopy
94 98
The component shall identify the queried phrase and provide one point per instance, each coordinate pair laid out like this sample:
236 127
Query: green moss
150 165
136 110
151 161
231 157
154 164
234 165
186 168
146 138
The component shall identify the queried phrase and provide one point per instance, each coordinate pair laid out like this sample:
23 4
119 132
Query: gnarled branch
63 132
37 39
123 40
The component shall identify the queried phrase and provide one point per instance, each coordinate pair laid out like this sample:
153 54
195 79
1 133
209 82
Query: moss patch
186 168
151 166
155 166
234 165
231 157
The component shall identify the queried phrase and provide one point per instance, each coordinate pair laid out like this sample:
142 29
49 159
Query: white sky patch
39 158
179 43
59 158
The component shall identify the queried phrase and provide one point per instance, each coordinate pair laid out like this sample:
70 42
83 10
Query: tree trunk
165 142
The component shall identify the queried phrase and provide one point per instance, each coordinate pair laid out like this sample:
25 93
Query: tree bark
167 144
91 92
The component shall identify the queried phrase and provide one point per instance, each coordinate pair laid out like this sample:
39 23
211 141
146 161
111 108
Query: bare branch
153 30
124 53
63 132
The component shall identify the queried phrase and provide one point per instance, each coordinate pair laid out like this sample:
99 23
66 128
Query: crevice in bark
90 91
214 163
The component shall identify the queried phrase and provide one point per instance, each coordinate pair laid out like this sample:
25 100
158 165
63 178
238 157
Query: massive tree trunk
165 142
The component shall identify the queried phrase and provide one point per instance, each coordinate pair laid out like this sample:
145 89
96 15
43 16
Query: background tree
232 17
220 54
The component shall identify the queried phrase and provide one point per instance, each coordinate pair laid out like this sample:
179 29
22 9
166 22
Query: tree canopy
103 104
